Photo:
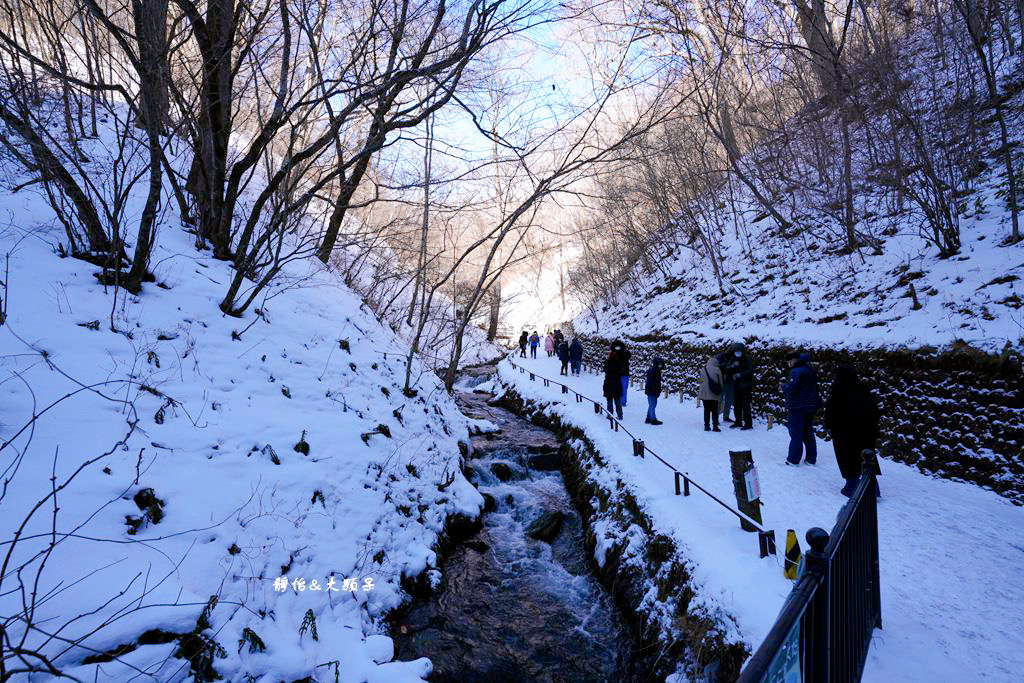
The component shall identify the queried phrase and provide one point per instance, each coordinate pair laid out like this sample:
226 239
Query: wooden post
742 461
565 389
532 377
597 407
638 448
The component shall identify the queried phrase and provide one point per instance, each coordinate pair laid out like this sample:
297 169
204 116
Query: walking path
952 554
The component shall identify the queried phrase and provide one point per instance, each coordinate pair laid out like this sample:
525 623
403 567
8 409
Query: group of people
851 417
851 412
555 343
728 383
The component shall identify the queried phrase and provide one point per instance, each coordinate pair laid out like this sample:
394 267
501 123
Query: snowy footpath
952 554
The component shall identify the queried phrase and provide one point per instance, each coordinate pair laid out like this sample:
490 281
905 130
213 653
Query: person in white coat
710 391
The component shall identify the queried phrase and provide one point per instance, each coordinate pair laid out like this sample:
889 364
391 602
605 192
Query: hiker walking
563 355
613 383
575 355
524 339
711 388
802 401
743 386
652 387
623 354
534 343
851 417
549 344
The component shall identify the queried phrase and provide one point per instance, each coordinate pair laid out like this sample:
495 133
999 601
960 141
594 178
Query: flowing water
511 608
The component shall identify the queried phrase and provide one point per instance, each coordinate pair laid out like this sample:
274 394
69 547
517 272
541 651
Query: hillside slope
800 283
175 441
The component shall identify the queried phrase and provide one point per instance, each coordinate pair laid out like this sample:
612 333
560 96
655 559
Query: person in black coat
743 386
652 387
623 355
613 383
524 339
851 417
563 355
575 355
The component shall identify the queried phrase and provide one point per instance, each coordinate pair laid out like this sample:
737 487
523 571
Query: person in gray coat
710 391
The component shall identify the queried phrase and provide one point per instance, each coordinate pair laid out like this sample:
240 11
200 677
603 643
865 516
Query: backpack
715 387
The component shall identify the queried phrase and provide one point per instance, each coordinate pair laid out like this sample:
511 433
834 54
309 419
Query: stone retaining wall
957 414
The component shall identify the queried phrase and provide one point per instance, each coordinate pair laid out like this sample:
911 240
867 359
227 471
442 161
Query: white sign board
753 484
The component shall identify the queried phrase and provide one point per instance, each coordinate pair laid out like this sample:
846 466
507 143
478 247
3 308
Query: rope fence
683 481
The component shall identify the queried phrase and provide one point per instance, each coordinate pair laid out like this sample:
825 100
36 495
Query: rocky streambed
517 601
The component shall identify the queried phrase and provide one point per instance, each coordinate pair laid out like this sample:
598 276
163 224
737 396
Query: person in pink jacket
549 345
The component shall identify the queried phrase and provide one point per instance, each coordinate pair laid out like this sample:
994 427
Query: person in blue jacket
575 355
652 387
534 343
802 401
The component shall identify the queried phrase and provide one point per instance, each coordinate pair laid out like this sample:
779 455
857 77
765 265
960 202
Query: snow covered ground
208 411
952 555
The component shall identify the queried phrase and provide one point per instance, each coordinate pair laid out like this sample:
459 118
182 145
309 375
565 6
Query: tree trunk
494 311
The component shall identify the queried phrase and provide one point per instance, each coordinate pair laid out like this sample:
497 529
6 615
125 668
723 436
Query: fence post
565 389
766 540
597 408
638 448
677 483
869 467
818 636
532 377
579 399
546 382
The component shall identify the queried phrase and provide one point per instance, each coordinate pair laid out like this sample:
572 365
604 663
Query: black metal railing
824 629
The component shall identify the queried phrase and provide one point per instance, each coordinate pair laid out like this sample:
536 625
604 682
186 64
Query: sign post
742 462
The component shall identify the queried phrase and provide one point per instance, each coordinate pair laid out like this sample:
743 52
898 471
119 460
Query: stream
511 608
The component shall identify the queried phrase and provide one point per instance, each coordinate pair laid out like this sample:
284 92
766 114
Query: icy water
511 608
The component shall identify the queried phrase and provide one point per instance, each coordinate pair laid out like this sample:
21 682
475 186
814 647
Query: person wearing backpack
652 387
711 388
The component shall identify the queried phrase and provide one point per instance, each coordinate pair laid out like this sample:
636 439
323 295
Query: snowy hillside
801 282
860 299
191 491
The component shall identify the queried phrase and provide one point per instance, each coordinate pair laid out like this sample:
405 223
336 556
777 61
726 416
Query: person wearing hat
652 387
802 401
